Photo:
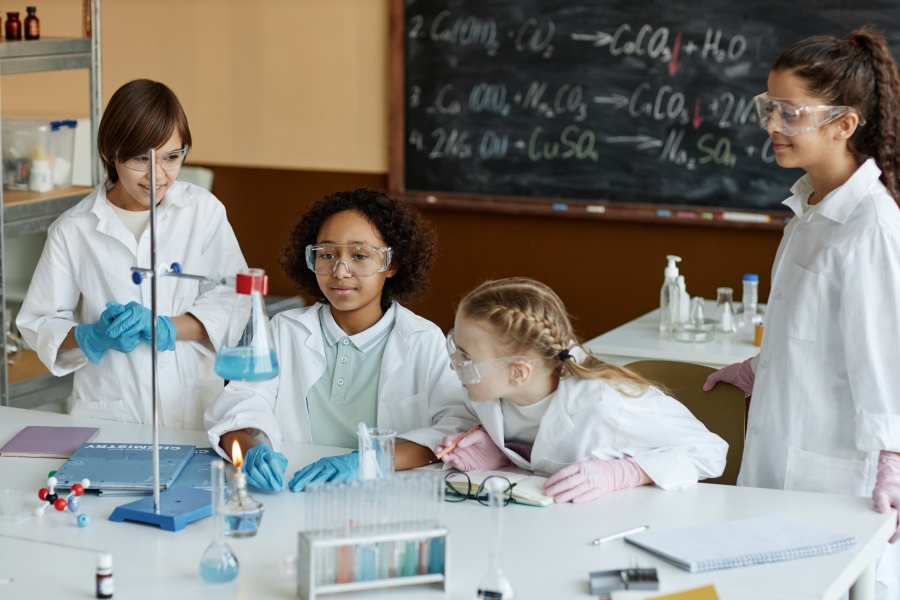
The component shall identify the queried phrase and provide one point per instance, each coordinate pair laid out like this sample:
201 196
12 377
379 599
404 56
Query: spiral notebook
731 544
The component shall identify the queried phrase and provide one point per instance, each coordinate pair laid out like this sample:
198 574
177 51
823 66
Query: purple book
48 442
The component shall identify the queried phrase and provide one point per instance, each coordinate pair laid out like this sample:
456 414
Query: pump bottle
669 299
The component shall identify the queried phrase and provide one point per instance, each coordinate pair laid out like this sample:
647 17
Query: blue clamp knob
176 267
137 277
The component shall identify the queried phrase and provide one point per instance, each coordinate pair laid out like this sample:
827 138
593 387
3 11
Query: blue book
196 473
124 466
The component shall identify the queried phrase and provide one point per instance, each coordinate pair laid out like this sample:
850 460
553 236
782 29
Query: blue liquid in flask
219 564
244 364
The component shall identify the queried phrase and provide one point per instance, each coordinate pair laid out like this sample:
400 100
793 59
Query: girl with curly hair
357 355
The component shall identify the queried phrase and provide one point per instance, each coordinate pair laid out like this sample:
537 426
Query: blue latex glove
264 468
95 339
135 319
331 468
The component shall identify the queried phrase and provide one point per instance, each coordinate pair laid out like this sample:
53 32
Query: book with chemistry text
112 466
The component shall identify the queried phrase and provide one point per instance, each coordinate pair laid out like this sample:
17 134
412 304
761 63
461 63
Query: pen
441 454
621 534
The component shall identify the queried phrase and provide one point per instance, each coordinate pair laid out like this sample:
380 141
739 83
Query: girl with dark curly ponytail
357 356
825 403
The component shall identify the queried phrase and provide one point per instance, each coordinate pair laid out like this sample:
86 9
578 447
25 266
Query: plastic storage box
37 154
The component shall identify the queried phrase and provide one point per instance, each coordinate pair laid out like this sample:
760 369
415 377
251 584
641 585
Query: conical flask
247 353
218 564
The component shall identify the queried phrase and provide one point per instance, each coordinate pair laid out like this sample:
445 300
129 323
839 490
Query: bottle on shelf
669 299
32 24
13 27
86 18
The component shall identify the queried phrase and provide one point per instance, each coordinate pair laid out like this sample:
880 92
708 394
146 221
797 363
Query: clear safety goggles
791 120
360 261
170 161
470 371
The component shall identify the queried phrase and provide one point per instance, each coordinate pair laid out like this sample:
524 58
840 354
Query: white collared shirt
87 262
827 393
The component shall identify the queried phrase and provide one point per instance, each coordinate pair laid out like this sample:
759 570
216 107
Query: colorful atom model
72 501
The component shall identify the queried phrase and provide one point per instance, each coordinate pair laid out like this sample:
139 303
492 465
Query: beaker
218 563
725 310
376 452
247 353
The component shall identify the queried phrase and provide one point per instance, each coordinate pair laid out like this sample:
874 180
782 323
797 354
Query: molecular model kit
72 502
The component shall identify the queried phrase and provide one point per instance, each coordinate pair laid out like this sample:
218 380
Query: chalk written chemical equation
641 102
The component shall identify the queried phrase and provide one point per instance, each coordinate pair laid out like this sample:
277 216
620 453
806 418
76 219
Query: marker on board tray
686 214
746 217
707 215
431 199
560 206
664 213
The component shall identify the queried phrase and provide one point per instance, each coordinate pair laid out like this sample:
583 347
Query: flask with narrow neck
247 353
494 584
218 564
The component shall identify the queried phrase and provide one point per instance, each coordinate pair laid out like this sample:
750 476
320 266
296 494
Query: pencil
441 454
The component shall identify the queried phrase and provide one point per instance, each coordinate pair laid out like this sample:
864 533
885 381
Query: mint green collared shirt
347 392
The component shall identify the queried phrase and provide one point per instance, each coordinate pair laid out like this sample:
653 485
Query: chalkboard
608 102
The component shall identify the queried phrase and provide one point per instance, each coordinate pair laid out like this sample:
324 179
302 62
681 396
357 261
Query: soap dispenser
669 299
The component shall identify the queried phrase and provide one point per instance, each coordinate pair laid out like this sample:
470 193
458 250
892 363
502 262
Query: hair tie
564 355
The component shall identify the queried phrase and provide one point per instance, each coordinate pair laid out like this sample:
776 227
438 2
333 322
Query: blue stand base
177 507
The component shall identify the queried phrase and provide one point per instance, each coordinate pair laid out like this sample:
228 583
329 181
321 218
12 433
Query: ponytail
857 71
880 139
529 317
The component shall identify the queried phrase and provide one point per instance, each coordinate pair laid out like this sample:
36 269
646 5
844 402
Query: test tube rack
314 547
366 535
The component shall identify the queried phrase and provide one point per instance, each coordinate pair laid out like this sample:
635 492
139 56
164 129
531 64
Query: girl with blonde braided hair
548 406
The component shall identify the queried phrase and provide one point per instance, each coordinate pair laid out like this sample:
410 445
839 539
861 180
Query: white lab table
548 554
639 340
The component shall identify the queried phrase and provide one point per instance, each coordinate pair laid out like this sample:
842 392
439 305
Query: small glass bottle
13 27
86 18
241 511
725 310
32 24
105 585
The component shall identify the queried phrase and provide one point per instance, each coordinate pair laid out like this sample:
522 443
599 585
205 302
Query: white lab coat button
778 294
345 341
763 363
317 364
343 359
753 429
340 382
162 364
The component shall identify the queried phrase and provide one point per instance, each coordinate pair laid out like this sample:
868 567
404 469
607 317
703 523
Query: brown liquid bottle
32 25
13 27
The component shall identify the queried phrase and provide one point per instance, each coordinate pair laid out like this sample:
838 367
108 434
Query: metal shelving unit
27 383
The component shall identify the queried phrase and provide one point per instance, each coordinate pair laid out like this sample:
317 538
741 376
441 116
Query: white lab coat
590 420
826 398
419 396
87 262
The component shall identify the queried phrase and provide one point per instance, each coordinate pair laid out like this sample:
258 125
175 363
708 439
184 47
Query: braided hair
529 317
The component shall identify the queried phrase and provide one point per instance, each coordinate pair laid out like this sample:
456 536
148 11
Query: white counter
548 554
639 340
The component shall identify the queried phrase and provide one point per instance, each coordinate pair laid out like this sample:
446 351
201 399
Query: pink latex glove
887 486
474 452
591 479
739 374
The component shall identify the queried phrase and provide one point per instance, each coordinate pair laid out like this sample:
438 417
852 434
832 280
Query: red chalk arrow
697 117
675 64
